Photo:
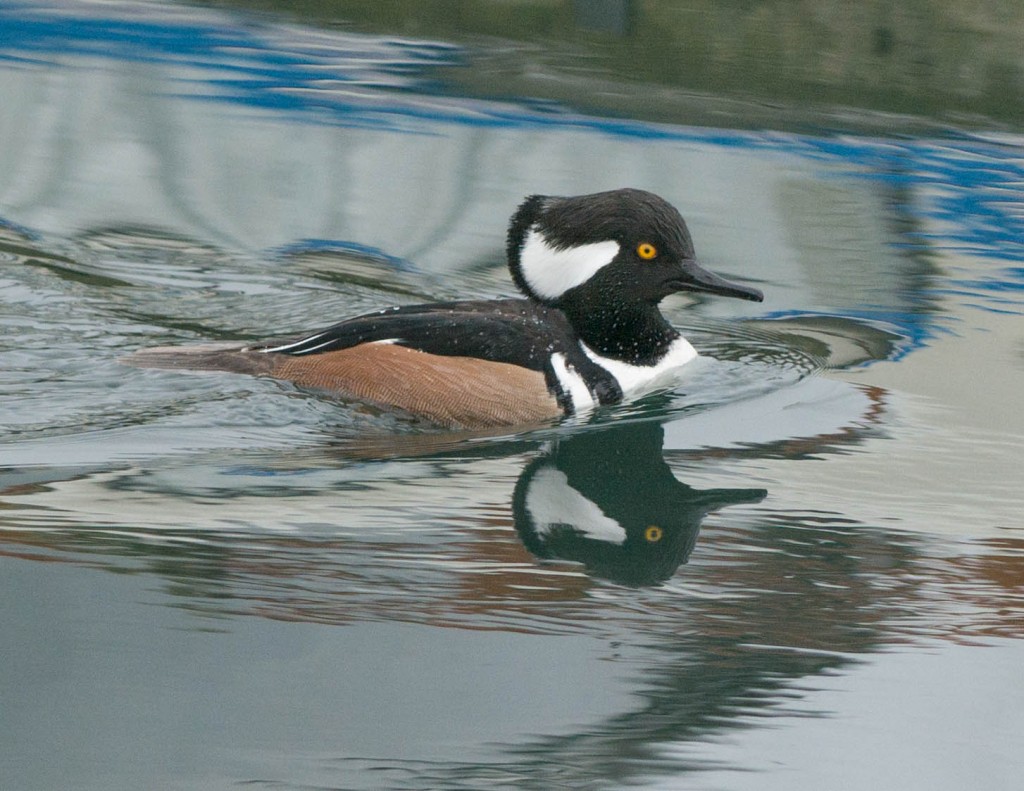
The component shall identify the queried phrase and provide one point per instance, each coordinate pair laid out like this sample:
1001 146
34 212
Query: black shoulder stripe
604 387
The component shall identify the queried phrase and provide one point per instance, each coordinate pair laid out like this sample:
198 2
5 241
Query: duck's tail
207 357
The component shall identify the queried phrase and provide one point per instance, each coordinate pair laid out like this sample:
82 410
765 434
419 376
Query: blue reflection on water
308 246
974 205
226 46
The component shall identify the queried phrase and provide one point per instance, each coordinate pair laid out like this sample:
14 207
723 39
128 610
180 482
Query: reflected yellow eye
653 532
646 250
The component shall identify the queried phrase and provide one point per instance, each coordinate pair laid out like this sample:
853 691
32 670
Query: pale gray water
211 580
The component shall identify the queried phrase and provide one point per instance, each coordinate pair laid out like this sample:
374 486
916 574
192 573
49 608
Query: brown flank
451 391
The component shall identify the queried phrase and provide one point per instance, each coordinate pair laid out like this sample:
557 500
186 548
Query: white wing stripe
293 344
300 344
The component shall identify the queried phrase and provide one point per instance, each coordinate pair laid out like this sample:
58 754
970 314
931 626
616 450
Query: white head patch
551 272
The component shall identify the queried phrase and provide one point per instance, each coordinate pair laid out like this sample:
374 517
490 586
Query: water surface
808 552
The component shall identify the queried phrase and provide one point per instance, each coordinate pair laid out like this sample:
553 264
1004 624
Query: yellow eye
653 532
646 250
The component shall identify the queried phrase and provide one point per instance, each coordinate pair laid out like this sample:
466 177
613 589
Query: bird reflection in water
607 499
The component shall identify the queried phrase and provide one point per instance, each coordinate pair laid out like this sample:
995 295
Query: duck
587 331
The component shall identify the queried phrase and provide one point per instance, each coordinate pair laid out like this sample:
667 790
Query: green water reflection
938 60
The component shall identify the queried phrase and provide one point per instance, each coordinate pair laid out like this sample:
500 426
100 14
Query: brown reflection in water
810 580
799 580
979 591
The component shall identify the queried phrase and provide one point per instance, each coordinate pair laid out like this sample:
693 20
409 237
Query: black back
515 331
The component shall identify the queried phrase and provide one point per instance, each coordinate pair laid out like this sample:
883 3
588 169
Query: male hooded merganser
593 269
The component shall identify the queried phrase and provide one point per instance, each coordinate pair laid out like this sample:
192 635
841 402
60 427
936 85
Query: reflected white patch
551 502
551 272
572 384
637 379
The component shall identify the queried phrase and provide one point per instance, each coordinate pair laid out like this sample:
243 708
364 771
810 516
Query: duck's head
625 245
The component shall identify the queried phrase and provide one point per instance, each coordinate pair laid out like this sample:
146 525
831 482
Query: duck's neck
635 333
